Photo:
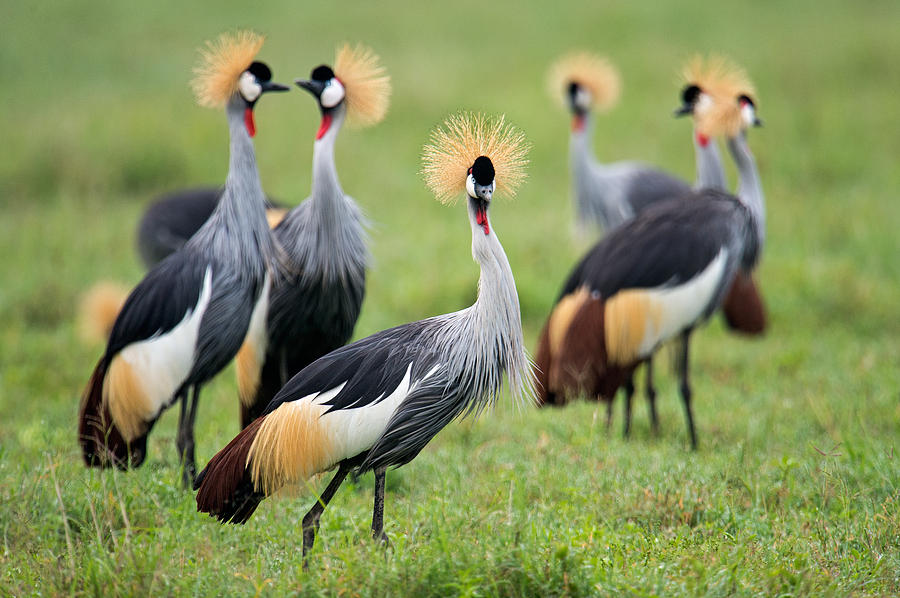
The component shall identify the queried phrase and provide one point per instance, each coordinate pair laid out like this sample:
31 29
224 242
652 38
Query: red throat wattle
702 139
248 121
323 128
578 123
481 219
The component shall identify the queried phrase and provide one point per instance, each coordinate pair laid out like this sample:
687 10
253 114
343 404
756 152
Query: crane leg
185 438
650 390
311 519
629 392
378 510
686 388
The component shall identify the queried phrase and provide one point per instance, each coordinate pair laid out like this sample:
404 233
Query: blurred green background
795 487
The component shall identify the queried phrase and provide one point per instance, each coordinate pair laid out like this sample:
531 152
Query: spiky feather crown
221 63
463 138
594 73
366 85
724 82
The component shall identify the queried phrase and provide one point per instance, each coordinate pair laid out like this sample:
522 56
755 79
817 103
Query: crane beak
757 122
684 110
314 87
272 86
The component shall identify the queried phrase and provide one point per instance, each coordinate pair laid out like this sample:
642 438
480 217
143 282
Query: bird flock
232 274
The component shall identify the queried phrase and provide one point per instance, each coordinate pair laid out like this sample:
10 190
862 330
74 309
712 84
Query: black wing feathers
371 367
159 302
667 244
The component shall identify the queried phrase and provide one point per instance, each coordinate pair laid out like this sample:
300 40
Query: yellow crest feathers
465 137
366 84
590 71
724 82
221 63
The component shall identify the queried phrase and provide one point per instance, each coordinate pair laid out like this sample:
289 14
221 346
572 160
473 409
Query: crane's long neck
749 187
495 342
238 232
327 195
596 198
326 238
710 172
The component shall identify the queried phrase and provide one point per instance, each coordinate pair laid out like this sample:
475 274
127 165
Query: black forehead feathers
260 71
573 88
690 93
483 171
322 73
745 98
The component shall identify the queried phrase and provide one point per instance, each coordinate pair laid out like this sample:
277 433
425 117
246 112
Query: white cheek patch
470 186
583 98
248 86
704 103
333 94
748 114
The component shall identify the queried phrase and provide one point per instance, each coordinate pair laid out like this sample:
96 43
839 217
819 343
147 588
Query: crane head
325 86
257 80
694 101
748 112
328 91
480 189
580 99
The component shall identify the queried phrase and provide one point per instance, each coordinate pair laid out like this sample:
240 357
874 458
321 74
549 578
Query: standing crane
655 278
377 402
187 318
313 310
601 190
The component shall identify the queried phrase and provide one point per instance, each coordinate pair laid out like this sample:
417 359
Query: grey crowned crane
314 309
189 315
655 278
171 219
606 194
377 402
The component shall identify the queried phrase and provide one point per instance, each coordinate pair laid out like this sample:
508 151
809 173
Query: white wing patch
162 363
356 430
681 306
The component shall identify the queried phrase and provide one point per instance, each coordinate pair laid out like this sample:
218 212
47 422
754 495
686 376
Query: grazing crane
171 219
377 402
313 310
653 279
187 318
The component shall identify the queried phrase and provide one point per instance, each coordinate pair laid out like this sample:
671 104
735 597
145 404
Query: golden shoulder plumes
593 72
463 138
724 82
366 85
222 62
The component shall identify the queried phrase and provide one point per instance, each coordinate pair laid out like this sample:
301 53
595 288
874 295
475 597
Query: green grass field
795 489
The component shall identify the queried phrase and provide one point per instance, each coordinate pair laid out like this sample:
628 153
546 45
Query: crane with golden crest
655 278
314 309
377 402
187 318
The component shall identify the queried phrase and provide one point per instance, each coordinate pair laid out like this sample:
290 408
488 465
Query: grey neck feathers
325 236
600 197
749 187
485 340
710 172
237 233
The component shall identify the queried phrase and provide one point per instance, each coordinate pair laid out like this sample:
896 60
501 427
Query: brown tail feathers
102 444
542 361
743 306
98 311
225 489
580 363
